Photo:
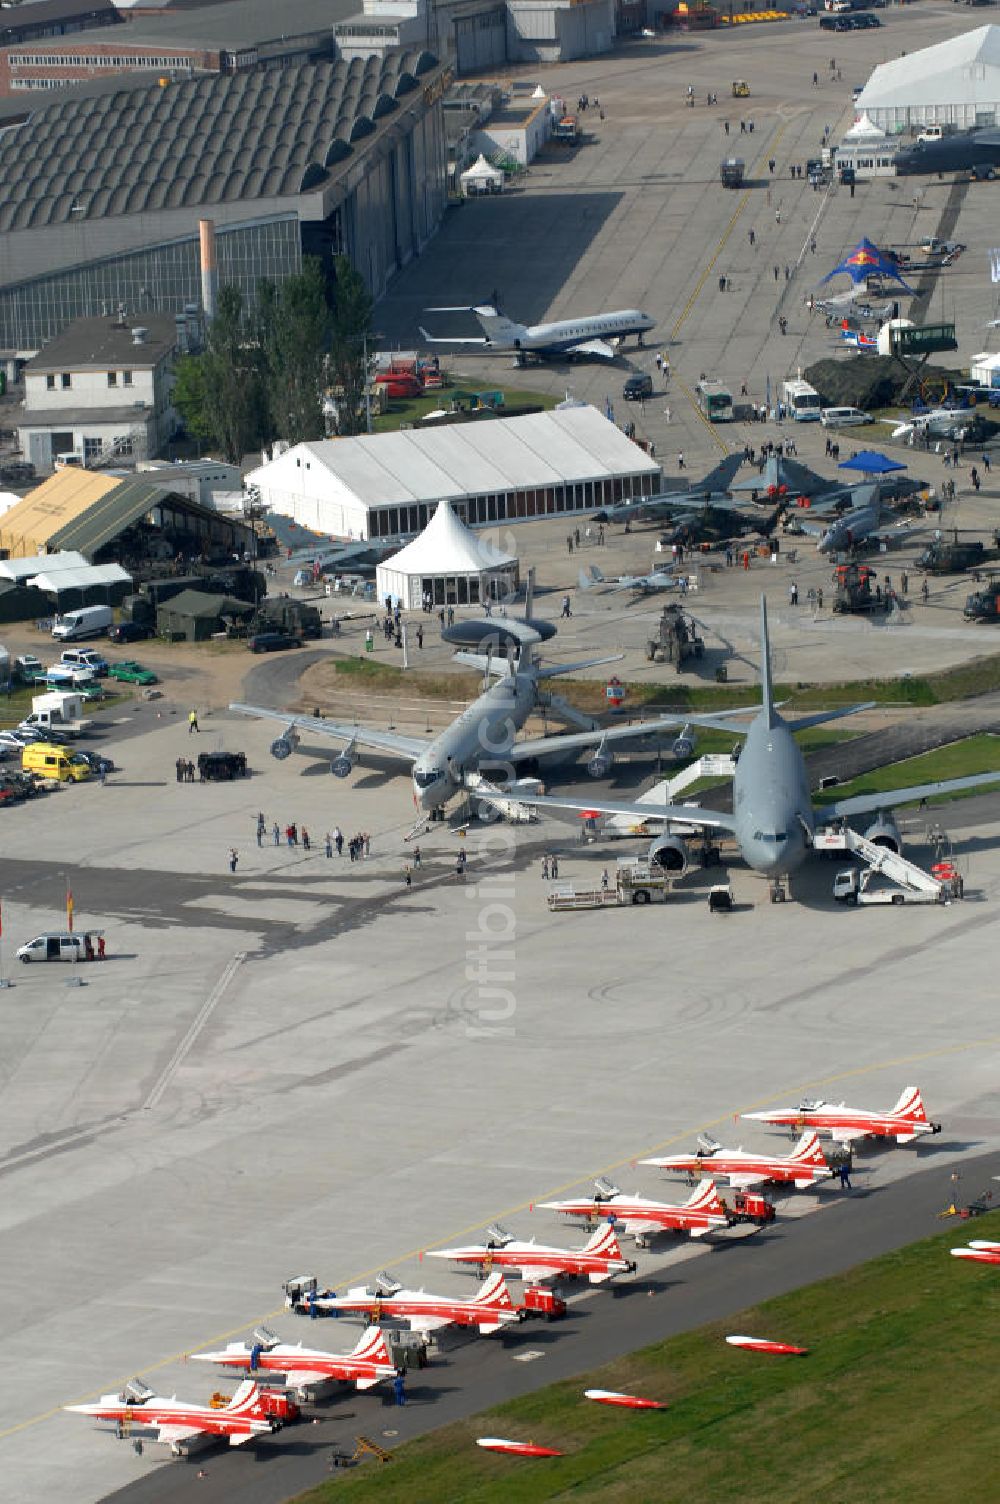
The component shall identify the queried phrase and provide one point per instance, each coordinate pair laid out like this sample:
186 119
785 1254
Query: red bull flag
69 909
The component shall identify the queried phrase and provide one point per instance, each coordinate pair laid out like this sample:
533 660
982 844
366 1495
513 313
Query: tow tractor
749 1206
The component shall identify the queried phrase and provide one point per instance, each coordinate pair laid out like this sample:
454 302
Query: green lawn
896 1401
976 754
413 409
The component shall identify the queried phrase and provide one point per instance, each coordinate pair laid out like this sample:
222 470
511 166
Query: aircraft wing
744 1182
422 1322
820 717
409 747
541 745
598 347
690 814
174 1435
862 804
444 339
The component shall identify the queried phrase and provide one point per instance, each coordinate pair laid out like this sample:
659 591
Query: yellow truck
48 761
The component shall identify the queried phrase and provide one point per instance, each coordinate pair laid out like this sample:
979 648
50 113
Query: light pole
372 334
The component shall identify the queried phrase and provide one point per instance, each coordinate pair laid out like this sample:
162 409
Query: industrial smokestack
209 270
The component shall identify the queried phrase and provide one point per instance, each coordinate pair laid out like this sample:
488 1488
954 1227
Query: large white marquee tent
953 83
449 564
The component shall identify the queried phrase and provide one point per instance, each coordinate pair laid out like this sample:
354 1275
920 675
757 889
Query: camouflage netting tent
873 381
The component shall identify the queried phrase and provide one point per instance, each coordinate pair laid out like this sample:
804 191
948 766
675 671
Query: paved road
601 1327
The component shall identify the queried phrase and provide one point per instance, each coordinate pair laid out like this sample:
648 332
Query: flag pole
3 980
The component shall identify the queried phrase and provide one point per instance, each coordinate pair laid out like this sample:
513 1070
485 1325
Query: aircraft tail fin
498 329
808 1151
373 1347
493 1292
911 1105
246 1398
766 687
705 1198
721 478
605 1241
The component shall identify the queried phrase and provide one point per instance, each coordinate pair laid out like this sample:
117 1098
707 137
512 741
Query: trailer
632 883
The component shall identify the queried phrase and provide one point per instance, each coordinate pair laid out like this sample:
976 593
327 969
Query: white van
843 417
62 947
85 658
88 621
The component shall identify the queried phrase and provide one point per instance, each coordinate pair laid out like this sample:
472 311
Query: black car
864 19
221 767
637 386
129 631
272 642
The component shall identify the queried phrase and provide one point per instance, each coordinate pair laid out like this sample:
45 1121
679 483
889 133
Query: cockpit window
771 836
424 777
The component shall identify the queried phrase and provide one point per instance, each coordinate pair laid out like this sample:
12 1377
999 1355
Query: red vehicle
399 384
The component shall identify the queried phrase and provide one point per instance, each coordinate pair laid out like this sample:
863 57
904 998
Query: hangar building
496 470
100 196
953 83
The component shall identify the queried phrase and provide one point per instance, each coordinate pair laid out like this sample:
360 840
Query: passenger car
130 672
843 417
129 631
272 642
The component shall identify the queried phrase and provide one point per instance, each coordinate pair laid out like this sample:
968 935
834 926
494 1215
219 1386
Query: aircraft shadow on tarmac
640 1285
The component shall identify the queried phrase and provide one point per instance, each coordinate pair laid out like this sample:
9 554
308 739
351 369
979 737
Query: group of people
184 770
358 847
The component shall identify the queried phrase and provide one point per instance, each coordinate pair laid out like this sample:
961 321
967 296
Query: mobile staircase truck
902 880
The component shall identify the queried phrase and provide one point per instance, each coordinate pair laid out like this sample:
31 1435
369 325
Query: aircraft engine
603 760
685 744
669 853
342 764
284 745
885 832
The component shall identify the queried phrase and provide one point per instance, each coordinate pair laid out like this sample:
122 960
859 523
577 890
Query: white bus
801 401
715 401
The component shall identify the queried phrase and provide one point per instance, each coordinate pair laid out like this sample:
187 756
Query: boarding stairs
881 859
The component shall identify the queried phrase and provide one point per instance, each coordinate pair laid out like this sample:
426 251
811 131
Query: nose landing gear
778 892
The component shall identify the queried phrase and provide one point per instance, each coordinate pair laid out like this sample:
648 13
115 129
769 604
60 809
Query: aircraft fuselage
771 800
479 740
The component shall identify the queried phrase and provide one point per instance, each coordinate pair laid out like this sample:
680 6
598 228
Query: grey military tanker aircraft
773 819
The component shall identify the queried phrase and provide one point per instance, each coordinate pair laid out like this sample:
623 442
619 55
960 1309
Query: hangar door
481 40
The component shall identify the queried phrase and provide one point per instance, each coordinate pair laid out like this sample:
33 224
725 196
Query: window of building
126 378
66 381
50 382
112 378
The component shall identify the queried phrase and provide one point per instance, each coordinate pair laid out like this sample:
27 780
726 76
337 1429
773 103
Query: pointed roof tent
447 546
864 261
964 69
864 129
481 172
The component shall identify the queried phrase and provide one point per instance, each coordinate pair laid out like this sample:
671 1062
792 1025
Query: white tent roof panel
80 579
963 70
23 569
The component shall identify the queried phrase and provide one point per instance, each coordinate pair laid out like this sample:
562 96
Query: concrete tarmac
305 1066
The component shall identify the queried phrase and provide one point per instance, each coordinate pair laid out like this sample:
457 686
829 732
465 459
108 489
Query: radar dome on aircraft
884 336
502 631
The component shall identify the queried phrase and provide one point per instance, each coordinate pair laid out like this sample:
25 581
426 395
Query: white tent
864 130
449 563
481 177
953 83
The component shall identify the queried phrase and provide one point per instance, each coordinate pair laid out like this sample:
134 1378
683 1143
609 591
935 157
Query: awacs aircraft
482 738
591 335
904 1122
598 1260
773 821
714 486
366 1365
247 1416
703 1212
743 1168
489 1310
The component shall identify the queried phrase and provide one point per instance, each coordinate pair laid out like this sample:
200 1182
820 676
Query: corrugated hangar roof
110 514
271 133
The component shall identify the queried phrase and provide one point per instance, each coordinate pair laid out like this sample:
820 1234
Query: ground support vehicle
632 883
222 767
903 881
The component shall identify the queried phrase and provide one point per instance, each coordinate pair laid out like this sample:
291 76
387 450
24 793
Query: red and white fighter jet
598 1260
980 1251
742 1167
365 1366
702 1212
490 1309
248 1415
904 1122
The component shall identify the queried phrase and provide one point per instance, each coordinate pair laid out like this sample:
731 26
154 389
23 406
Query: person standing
416 857
234 857
193 723
306 844
338 840
420 636
545 869
181 769
276 834
261 827
328 845
793 594
605 880
554 866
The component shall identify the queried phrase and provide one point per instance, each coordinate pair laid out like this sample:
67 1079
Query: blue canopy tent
866 260
869 462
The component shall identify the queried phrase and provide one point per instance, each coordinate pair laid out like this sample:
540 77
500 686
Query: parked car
130 631
843 417
272 642
85 658
130 672
97 762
